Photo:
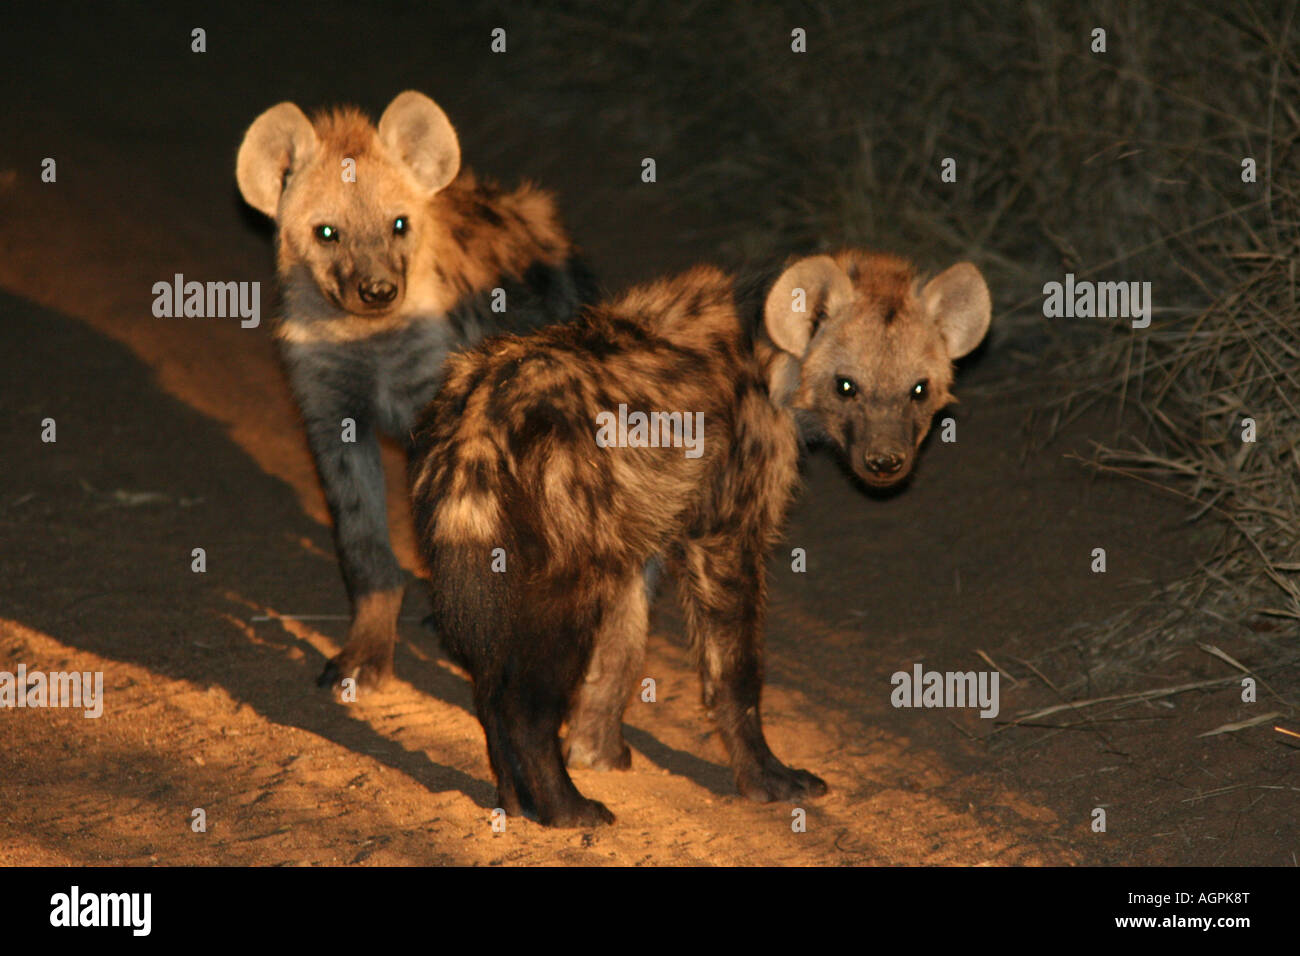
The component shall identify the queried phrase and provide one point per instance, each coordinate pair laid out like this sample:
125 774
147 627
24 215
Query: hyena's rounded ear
958 301
416 129
280 140
803 296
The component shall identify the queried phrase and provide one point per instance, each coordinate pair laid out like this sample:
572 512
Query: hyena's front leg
352 475
595 737
723 590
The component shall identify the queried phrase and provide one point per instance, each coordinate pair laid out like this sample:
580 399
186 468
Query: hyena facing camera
390 256
539 537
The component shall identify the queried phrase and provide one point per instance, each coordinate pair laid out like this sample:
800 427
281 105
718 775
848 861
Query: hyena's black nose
376 290
884 464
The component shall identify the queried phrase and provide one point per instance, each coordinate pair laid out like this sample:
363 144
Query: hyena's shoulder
492 231
511 243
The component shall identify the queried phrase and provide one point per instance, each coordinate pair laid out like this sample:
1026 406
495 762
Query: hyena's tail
501 614
471 603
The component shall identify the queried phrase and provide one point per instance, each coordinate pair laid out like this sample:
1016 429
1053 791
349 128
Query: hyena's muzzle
366 283
882 447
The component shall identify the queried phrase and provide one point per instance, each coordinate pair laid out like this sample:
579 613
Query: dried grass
1124 166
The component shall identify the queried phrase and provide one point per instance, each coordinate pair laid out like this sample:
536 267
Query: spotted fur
506 466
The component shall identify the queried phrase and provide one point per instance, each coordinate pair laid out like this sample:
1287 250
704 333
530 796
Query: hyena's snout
881 468
884 451
371 288
377 291
885 465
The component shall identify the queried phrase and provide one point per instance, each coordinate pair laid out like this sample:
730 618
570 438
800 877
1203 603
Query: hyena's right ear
279 140
806 293
416 129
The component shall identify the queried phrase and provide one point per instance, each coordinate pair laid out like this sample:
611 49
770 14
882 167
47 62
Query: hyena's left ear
958 301
416 129
806 293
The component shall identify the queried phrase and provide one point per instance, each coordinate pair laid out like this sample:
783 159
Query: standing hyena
539 534
389 260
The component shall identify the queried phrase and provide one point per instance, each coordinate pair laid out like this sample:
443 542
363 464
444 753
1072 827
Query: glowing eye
327 234
845 388
920 390
399 226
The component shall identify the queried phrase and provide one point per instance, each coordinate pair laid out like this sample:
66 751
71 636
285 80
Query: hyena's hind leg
723 593
595 737
523 694
505 767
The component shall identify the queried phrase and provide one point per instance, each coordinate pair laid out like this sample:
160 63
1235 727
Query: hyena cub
390 256
539 534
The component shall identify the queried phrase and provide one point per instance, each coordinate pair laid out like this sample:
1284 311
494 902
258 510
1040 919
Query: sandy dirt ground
175 434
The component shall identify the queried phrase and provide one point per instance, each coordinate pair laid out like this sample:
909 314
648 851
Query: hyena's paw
582 813
581 754
367 664
775 781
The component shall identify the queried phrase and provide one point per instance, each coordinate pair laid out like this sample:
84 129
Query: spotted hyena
390 256
540 529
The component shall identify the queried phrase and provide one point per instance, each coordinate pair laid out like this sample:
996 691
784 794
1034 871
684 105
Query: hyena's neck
482 235
780 369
